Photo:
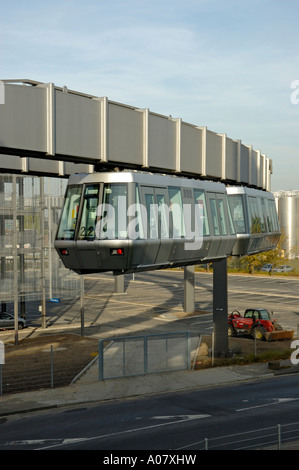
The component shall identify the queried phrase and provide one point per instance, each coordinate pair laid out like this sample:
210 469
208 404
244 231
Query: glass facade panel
30 209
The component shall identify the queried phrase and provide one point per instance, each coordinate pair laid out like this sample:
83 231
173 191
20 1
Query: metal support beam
189 289
220 308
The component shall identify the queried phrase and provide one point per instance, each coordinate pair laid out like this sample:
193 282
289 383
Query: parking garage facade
30 270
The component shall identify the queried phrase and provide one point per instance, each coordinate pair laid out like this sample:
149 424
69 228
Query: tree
275 257
252 262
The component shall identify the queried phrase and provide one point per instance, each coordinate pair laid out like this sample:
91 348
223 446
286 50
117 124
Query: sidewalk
88 389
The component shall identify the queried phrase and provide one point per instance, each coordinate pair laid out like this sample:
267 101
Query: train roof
144 178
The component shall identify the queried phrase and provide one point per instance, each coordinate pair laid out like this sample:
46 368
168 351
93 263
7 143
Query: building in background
287 203
30 269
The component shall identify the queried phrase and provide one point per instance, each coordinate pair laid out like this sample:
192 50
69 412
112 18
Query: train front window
89 210
112 214
69 217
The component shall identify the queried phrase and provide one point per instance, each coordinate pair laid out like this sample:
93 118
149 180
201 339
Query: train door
164 225
155 201
219 221
227 229
87 249
151 241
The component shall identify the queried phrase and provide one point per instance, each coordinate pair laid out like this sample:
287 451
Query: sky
230 65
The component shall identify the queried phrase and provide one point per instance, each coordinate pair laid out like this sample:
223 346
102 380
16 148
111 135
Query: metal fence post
1 388
145 356
188 350
206 443
279 436
52 368
101 359
124 357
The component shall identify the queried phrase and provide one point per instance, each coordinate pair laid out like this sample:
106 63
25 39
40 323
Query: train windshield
89 211
69 217
104 212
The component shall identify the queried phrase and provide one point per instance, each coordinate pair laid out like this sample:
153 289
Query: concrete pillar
120 284
220 308
189 289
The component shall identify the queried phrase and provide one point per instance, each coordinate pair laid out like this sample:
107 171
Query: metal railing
145 354
279 437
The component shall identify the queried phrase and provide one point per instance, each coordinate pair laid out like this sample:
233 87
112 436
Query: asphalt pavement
88 389
152 303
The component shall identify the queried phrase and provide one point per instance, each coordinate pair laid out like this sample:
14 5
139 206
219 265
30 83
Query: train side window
89 210
237 212
261 215
273 215
267 215
230 220
220 203
200 199
139 223
215 221
255 223
163 214
176 206
69 217
152 215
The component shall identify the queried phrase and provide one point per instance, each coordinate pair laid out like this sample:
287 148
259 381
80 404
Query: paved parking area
153 302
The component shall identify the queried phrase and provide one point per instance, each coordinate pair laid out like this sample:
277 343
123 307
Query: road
179 422
152 302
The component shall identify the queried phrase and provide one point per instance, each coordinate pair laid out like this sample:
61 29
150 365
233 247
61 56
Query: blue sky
224 64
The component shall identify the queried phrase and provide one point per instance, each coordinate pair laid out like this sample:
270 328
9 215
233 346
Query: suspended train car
255 219
131 221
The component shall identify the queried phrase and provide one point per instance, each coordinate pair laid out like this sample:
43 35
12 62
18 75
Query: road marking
128 431
278 402
182 417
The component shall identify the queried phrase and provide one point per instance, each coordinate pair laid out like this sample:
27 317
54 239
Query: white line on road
278 402
144 428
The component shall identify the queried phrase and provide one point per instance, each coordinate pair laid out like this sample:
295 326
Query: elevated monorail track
50 130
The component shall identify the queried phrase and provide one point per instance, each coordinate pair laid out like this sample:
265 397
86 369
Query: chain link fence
138 355
45 366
